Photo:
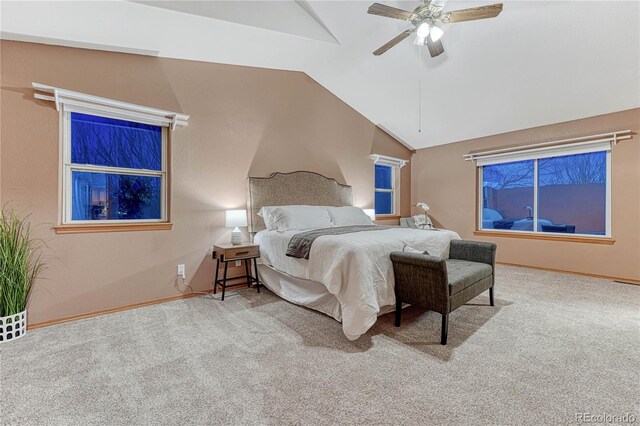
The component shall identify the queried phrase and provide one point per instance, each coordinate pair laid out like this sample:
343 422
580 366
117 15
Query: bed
349 276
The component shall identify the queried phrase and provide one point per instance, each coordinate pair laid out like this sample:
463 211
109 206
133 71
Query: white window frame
395 177
68 101
67 167
396 165
558 153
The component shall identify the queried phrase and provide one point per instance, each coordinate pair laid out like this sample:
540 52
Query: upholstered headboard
295 188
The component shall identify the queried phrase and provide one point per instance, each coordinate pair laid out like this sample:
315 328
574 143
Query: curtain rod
391 161
62 97
612 136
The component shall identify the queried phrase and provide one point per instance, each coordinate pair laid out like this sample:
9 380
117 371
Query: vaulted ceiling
539 62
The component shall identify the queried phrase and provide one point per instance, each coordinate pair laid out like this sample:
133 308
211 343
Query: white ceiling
538 63
291 17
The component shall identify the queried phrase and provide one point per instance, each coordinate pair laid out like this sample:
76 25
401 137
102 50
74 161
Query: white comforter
356 267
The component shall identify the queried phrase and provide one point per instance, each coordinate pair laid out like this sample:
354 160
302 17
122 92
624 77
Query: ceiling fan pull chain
419 89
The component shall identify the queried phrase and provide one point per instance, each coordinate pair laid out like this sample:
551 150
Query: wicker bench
443 285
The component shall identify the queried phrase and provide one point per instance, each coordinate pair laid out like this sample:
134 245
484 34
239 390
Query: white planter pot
13 327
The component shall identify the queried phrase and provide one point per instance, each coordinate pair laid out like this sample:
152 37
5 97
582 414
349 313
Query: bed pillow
348 216
265 214
409 249
286 218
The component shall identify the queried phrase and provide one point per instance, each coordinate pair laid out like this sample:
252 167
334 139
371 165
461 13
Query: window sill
554 237
112 227
387 217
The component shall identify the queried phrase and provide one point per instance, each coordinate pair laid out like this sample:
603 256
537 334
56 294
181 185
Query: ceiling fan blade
388 11
473 13
397 39
435 47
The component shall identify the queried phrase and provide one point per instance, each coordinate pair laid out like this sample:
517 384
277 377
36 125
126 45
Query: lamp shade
423 30
235 218
436 33
371 213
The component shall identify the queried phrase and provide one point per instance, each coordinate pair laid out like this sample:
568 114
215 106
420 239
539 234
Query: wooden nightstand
227 252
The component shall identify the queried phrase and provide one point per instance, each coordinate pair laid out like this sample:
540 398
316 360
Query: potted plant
20 265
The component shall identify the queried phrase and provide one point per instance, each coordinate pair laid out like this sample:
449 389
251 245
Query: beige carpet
554 346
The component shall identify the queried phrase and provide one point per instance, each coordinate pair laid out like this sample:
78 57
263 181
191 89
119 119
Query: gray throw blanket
300 244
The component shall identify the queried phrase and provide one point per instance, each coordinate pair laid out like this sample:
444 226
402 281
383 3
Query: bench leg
444 330
398 312
491 296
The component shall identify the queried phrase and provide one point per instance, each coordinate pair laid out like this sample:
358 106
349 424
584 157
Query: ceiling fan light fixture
423 30
436 33
420 41
424 19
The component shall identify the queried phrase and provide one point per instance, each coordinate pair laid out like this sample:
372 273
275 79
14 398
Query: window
385 190
563 194
387 182
508 193
572 192
114 162
114 170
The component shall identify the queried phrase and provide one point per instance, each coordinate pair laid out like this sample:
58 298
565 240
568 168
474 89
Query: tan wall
244 121
443 179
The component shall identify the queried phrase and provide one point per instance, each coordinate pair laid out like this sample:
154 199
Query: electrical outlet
238 262
181 272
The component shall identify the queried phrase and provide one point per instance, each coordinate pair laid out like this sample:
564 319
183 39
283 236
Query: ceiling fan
425 19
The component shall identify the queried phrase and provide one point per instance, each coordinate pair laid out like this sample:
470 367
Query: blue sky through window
383 180
571 194
106 196
109 142
383 177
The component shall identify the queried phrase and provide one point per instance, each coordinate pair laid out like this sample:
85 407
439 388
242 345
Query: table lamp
234 219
